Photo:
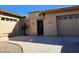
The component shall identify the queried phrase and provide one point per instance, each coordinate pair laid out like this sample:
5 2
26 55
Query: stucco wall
32 23
50 24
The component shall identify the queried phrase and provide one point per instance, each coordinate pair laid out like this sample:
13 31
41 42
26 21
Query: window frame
3 19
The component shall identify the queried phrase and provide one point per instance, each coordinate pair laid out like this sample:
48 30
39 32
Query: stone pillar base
4 38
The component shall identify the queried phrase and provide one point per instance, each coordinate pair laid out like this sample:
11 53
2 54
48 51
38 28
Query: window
11 19
2 18
70 17
67 17
64 17
76 17
7 19
58 17
15 20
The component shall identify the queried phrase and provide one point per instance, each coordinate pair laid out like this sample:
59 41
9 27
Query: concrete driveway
42 44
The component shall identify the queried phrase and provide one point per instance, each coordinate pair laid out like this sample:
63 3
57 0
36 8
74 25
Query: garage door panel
68 27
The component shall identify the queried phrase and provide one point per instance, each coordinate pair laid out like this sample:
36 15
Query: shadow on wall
17 30
69 44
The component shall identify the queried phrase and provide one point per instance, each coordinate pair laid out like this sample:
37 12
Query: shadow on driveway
40 39
70 44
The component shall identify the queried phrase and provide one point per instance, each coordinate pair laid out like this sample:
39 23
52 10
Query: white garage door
7 26
68 25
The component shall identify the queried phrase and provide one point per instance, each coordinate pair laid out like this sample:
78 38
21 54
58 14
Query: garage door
8 26
68 25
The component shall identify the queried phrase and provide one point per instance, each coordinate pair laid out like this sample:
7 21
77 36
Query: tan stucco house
10 23
54 22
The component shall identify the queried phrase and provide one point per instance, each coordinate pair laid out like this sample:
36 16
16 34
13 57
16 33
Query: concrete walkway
29 47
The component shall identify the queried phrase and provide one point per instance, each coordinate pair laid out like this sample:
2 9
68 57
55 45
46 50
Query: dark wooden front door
40 27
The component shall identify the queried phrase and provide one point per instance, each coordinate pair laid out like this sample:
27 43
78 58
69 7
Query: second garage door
68 25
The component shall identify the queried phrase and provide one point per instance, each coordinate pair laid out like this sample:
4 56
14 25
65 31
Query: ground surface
38 44
8 47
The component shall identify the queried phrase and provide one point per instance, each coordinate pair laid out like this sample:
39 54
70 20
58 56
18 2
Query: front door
40 27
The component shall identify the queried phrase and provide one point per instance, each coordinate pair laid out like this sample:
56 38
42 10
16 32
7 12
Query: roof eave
11 13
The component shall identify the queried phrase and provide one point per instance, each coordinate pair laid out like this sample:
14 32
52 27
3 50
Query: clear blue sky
24 9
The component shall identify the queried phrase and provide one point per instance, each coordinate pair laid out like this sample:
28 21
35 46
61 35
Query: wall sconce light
42 14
